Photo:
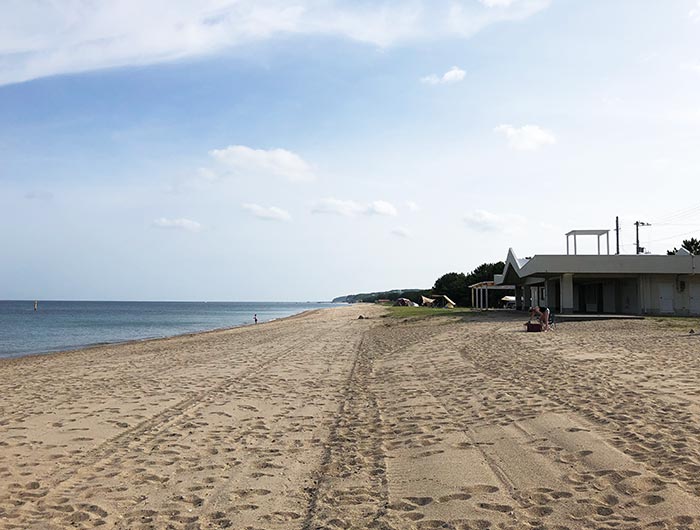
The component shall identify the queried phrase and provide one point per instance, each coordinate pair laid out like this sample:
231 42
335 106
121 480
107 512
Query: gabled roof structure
628 284
518 270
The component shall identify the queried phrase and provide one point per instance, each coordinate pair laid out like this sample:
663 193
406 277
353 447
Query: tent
405 302
439 300
427 302
508 302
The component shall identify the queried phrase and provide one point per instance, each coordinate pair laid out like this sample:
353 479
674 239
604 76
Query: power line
682 211
672 237
676 224
679 214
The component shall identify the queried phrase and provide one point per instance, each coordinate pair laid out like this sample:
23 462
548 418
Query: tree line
692 245
455 285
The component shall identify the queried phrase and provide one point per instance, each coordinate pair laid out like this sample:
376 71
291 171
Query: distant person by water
255 318
36 305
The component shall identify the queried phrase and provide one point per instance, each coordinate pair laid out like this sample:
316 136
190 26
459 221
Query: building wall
643 294
609 288
629 296
683 291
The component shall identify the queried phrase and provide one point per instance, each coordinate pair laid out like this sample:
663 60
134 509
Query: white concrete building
623 284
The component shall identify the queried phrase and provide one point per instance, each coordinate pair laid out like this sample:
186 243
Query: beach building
487 292
605 283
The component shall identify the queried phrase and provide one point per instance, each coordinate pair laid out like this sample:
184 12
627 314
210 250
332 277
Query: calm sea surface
60 325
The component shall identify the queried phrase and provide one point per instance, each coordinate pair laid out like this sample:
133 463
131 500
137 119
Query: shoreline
86 347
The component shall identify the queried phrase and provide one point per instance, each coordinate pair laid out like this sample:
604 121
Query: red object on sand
537 326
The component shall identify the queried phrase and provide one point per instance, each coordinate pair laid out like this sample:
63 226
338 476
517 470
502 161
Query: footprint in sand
281 517
472 524
244 508
479 489
433 523
503 508
540 511
419 501
651 500
402 506
455 497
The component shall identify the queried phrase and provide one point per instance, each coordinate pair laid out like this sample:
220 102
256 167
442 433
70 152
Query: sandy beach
325 420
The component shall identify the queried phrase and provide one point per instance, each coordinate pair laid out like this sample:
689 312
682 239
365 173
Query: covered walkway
480 293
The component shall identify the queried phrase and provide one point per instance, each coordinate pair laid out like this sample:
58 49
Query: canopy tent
405 302
438 300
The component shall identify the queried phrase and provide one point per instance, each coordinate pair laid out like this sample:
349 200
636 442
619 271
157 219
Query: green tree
692 245
453 285
485 272
456 284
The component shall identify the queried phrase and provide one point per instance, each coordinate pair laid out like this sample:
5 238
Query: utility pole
617 235
638 224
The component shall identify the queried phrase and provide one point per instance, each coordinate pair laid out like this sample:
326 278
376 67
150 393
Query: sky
305 149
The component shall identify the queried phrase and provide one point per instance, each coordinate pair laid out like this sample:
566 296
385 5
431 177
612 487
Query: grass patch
427 312
686 323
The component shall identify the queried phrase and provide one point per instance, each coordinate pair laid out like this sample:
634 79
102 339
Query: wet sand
326 421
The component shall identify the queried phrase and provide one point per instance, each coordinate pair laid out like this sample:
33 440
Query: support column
472 290
527 292
567 293
519 298
486 298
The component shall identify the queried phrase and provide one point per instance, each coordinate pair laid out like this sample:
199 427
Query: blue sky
300 150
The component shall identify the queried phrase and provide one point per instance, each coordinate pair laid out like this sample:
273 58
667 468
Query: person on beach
255 318
542 314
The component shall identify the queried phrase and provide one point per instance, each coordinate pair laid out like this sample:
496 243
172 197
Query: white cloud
497 3
381 208
412 206
485 221
270 213
277 162
527 137
178 224
39 39
453 75
401 232
694 13
338 207
351 208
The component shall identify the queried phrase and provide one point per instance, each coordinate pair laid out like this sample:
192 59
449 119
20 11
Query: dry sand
326 421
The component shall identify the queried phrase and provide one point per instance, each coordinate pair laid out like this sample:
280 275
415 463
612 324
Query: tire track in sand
30 500
350 490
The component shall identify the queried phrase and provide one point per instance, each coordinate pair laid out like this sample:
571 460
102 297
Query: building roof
587 232
495 284
518 270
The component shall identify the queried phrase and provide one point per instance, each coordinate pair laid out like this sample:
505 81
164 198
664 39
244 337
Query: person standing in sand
255 318
542 314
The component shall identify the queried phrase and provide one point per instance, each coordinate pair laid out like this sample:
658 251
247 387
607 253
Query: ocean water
58 325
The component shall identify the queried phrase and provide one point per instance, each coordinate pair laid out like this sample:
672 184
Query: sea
69 325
